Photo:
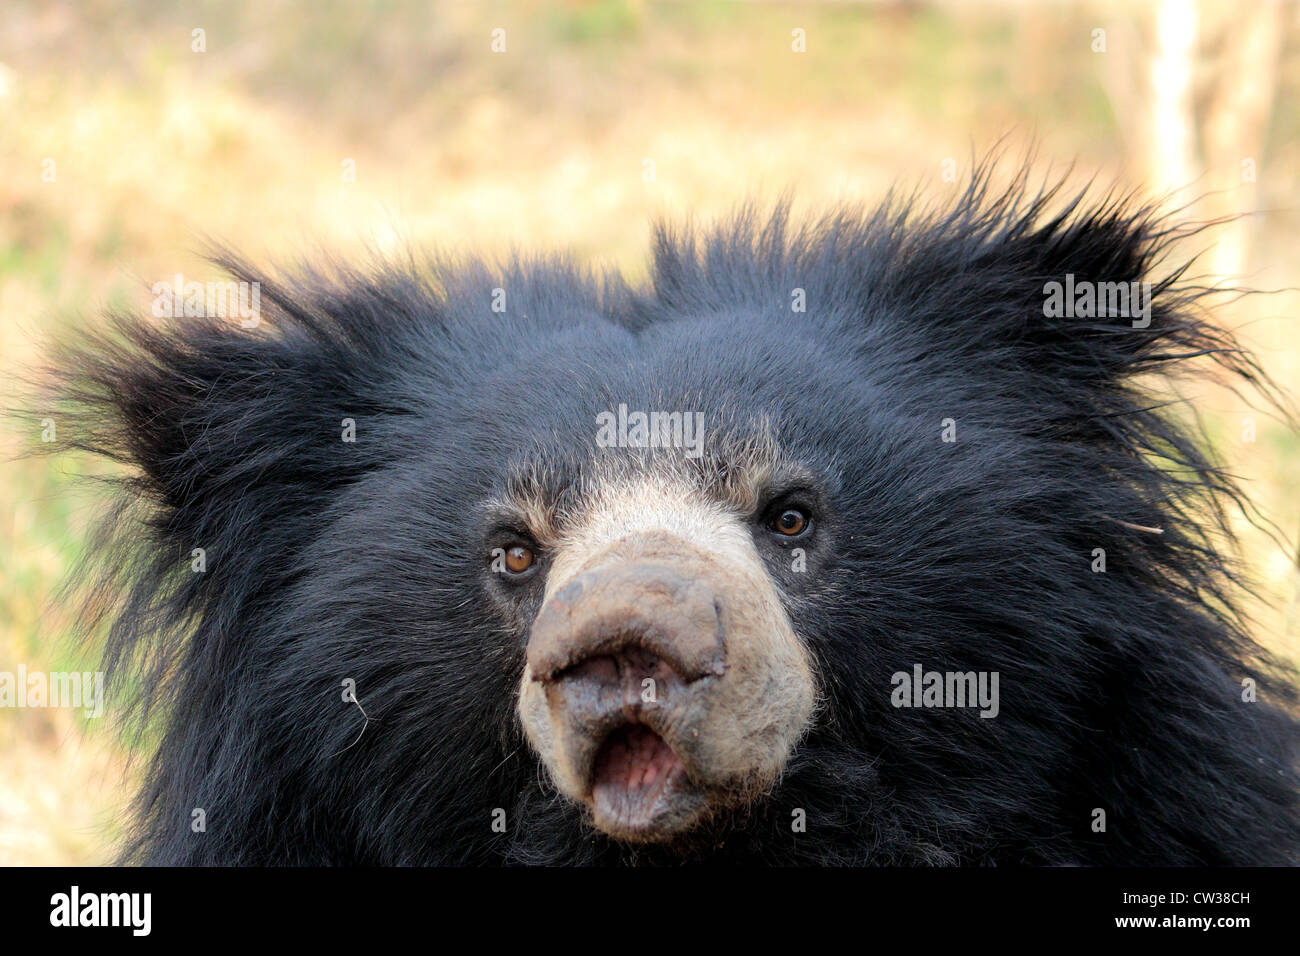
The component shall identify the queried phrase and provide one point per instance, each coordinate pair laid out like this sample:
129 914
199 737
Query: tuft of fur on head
231 436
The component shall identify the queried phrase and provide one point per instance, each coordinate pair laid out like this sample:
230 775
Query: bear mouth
640 788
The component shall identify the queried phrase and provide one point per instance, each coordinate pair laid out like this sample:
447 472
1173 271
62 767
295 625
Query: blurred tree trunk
1236 124
1170 123
1214 141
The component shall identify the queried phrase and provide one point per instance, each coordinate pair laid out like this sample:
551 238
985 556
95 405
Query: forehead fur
734 470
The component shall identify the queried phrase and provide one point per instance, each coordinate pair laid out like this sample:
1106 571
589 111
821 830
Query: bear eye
790 522
519 559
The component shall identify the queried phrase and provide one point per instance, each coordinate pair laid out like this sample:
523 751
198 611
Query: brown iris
519 559
790 522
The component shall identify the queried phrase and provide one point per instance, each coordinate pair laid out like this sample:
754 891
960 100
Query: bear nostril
630 666
602 669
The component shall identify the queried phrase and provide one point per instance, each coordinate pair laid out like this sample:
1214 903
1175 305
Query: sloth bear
870 539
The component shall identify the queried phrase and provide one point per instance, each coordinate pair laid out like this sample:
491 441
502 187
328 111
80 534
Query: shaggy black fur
329 560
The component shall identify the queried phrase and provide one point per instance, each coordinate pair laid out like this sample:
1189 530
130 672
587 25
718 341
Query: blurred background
131 130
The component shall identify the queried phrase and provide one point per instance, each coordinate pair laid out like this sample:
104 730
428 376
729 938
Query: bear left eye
791 522
519 559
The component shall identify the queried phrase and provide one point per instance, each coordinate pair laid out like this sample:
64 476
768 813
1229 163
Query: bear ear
218 410
236 433
1086 292
1076 315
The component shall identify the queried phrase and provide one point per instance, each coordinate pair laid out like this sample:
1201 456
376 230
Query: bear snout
663 681
628 655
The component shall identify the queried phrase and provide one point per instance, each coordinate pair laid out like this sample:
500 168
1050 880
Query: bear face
611 574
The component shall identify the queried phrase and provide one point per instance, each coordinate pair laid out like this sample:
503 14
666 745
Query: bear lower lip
637 777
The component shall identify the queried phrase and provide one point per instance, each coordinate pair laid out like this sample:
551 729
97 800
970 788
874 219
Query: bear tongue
634 769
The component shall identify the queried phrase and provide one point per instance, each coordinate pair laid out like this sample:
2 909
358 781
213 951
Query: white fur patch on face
619 513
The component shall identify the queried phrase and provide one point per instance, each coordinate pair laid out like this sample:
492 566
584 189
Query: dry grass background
156 146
